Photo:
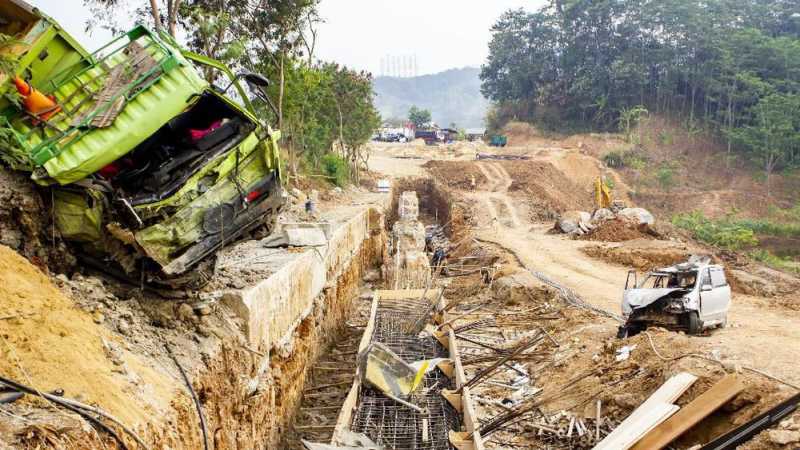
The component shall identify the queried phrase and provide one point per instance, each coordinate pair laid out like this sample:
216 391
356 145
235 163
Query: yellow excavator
603 198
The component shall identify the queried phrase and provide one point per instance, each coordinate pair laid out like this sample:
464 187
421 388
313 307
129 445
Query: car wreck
151 168
692 296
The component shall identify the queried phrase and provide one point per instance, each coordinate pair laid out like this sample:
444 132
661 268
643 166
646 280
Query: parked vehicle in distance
693 296
498 141
152 169
431 137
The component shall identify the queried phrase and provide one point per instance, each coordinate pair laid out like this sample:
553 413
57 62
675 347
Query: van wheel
693 322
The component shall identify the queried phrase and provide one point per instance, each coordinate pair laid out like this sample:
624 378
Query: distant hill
451 96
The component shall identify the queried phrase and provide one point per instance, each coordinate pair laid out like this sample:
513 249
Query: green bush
666 177
774 261
614 159
765 226
725 233
335 168
618 159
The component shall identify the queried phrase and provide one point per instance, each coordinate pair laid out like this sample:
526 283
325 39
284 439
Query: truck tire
693 323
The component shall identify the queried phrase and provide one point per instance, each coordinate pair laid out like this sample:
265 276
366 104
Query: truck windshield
682 280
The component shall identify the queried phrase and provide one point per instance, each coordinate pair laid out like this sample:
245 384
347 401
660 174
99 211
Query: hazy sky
443 34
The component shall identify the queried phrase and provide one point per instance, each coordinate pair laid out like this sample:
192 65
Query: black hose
197 404
57 400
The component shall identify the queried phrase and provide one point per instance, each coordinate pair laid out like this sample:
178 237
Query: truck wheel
693 322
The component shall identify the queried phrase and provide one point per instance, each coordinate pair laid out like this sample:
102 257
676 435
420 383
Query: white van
693 296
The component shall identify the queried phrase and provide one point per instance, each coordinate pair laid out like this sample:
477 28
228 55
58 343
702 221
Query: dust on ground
70 351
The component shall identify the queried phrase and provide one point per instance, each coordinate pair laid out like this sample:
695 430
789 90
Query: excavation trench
337 404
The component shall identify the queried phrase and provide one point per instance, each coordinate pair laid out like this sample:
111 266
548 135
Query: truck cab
693 296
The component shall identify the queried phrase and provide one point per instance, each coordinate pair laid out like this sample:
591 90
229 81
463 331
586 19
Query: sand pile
46 342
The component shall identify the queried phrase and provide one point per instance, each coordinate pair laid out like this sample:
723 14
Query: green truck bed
42 47
132 87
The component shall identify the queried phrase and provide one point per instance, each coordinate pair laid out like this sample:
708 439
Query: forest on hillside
730 67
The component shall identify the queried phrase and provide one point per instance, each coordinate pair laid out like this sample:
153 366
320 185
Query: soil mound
619 230
547 188
456 174
48 343
643 254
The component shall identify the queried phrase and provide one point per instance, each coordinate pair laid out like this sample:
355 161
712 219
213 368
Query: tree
775 133
419 117
592 63
161 14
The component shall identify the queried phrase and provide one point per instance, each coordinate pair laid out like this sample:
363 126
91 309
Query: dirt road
759 335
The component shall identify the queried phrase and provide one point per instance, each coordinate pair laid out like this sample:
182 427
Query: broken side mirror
256 80
258 84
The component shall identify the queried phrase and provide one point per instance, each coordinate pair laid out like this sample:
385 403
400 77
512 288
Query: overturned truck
151 168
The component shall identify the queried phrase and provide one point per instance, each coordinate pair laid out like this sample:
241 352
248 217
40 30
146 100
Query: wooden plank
699 408
664 395
346 413
641 425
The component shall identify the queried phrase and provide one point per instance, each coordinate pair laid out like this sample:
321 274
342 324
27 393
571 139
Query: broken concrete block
640 216
408 207
783 437
602 214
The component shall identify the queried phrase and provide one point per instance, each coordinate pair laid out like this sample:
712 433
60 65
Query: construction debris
407 265
656 409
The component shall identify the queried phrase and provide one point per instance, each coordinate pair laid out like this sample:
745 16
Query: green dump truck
152 169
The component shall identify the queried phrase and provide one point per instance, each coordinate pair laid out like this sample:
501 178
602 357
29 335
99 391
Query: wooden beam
699 408
656 409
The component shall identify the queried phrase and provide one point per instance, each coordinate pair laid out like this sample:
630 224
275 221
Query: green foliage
726 66
335 168
629 118
419 117
774 261
666 177
10 151
771 228
620 159
725 233
326 104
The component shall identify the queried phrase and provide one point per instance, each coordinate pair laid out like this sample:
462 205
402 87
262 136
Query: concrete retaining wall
272 308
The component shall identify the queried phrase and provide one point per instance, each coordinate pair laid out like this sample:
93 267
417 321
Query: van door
722 293
715 294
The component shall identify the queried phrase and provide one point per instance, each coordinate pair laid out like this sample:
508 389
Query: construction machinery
603 198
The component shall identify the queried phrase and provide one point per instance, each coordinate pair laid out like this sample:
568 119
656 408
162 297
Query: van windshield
682 280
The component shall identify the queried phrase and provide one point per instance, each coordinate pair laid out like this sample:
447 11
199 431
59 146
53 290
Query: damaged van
152 169
692 296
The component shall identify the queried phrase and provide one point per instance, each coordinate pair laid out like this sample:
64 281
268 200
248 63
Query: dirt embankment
107 344
25 225
456 174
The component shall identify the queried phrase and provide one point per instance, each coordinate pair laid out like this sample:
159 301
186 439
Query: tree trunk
281 89
173 6
156 14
